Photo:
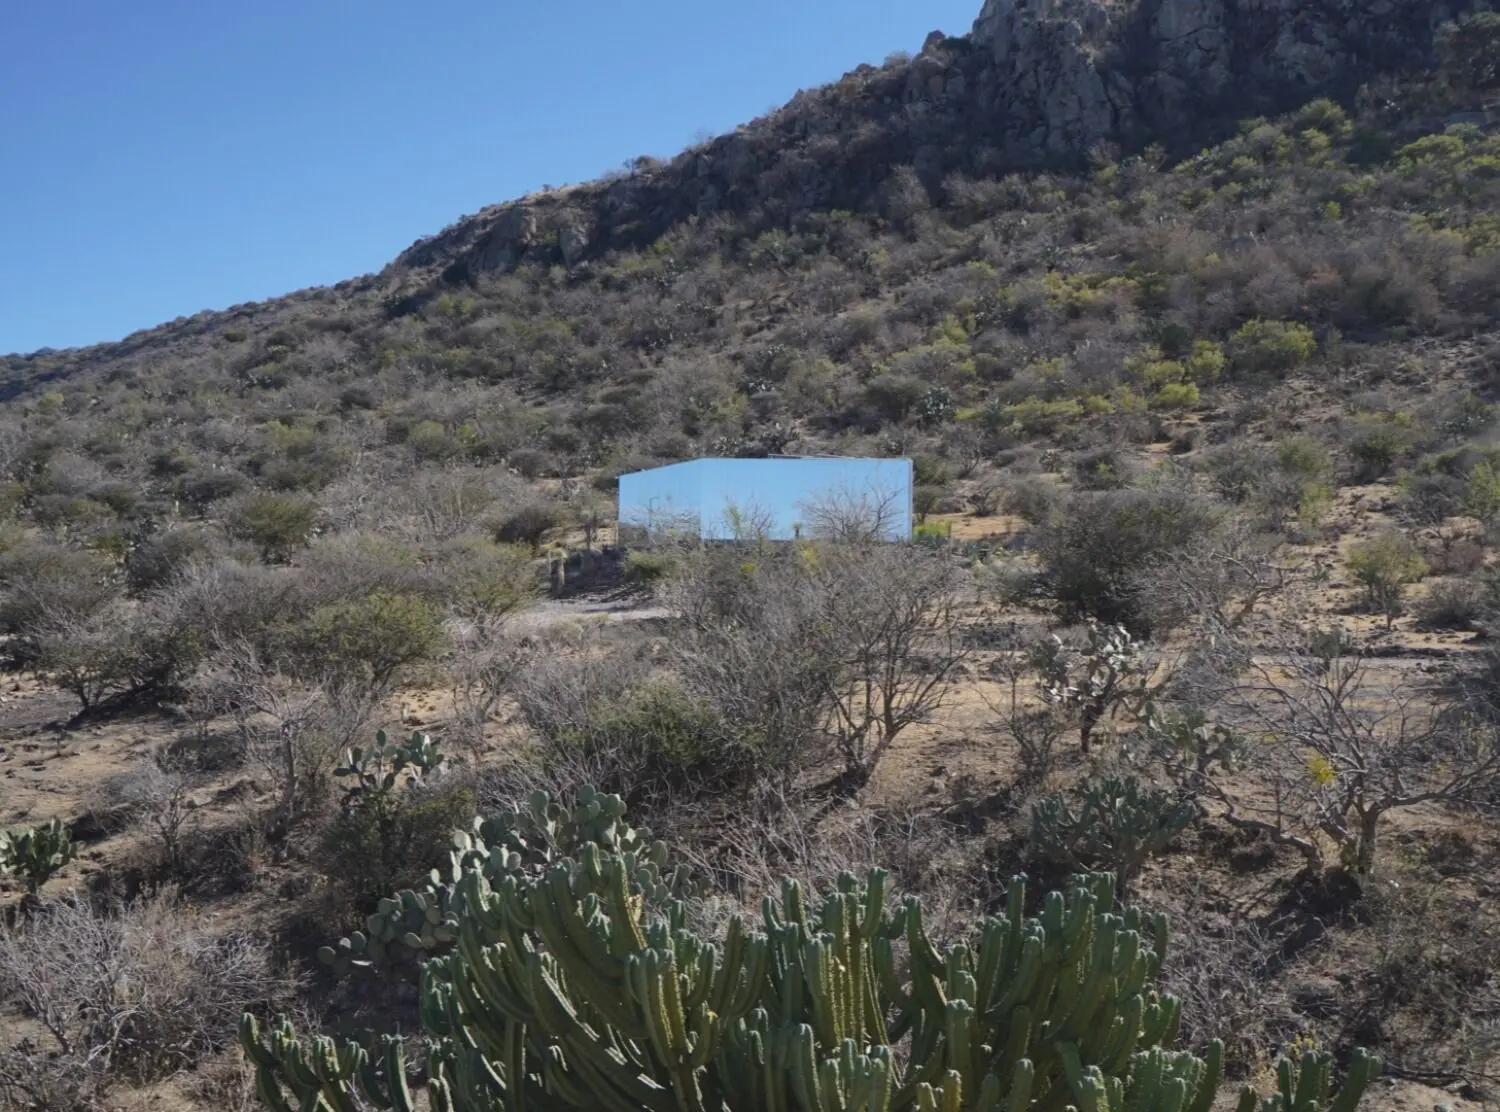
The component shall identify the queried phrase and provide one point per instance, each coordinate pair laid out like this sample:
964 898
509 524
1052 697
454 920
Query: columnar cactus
36 853
566 988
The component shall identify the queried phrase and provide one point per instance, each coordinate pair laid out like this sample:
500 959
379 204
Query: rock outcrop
1034 83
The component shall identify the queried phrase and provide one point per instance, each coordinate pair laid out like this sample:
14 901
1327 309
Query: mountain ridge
1034 84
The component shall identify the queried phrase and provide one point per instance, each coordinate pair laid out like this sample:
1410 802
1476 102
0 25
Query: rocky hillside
1036 83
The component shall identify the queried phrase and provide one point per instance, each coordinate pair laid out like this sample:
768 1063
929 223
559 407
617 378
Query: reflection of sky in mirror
725 499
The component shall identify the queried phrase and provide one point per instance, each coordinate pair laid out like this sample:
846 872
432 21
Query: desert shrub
481 577
89 657
894 396
354 565
662 741
928 471
646 568
986 499
926 500
129 994
611 722
1385 565
202 489
528 524
40 578
1032 500
391 840
277 524
1093 550
1239 471
155 561
815 647
932 533
1375 443
1262 347
1454 604
364 644
1102 469
429 441
1303 459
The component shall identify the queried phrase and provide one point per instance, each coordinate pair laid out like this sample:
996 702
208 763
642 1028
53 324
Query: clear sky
158 157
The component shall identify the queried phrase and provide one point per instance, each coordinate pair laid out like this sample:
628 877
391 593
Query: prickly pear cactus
419 923
565 989
1112 822
374 771
36 853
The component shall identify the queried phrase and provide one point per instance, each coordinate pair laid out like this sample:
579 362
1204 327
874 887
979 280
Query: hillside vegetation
1209 486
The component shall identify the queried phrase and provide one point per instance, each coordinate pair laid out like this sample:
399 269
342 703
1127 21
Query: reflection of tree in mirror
852 515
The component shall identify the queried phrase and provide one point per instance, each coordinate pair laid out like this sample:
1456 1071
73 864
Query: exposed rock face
1035 82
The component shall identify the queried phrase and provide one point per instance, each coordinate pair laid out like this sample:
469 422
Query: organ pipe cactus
565 988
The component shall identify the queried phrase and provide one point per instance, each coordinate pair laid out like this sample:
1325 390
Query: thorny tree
847 644
894 637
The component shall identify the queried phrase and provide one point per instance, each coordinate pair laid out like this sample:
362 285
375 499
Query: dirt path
550 613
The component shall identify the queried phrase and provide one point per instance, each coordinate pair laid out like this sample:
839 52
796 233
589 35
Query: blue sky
159 157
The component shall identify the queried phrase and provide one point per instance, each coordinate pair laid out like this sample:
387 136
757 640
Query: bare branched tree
751 646
485 657
133 994
1329 750
1218 585
894 640
854 515
289 729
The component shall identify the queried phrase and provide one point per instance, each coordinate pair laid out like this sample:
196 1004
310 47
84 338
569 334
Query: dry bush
1342 749
839 646
130 994
289 730
1224 968
486 655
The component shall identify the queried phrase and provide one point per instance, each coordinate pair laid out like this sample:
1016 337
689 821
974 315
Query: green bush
658 740
1262 347
1176 396
1093 550
894 396
392 841
646 568
366 643
933 532
1375 444
1385 566
925 500
277 524
483 577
